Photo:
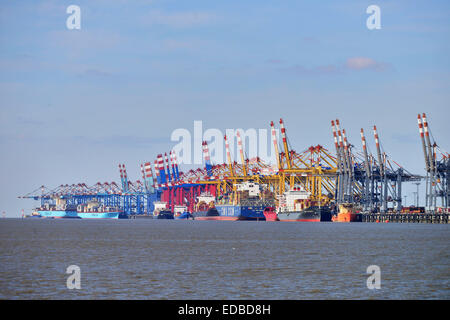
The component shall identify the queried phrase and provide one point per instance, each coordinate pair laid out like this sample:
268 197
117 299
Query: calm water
156 259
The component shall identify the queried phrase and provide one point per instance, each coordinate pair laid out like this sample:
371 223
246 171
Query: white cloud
361 63
351 64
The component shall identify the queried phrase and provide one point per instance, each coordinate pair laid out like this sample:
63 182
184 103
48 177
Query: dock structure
136 200
406 217
372 183
438 170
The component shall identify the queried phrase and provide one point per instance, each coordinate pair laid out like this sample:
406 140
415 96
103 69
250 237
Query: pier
406 217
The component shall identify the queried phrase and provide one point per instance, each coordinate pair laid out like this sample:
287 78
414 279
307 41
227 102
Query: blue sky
75 103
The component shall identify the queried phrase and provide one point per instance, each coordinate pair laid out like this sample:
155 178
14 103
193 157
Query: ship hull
99 215
184 216
312 214
347 217
210 214
57 214
164 215
271 216
219 218
241 212
141 216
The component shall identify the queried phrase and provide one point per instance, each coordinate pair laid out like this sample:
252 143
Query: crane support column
286 148
367 197
339 165
275 144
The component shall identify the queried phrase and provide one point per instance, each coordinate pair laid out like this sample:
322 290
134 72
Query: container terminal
316 184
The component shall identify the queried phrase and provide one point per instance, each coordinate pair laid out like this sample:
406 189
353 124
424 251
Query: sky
76 103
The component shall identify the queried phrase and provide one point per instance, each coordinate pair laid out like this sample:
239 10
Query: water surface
163 259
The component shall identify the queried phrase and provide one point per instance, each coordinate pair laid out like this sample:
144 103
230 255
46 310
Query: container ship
245 210
295 205
94 210
205 207
161 211
56 211
247 203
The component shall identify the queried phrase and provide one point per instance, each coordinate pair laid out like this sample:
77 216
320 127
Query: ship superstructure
56 209
96 210
296 205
